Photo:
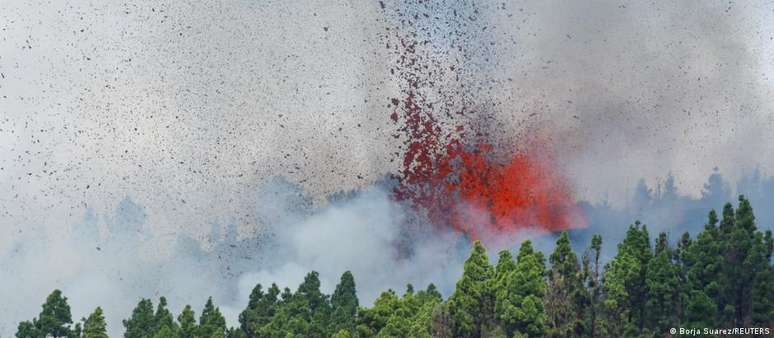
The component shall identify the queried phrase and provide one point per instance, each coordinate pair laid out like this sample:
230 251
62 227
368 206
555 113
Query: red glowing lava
451 168
475 191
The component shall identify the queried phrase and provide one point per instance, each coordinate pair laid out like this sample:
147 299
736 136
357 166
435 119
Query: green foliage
95 326
471 306
211 322
722 278
661 306
566 298
303 313
344 305
260 310
163 319
27 329
141 324
519 295
187 320
592 282
616 301
54 320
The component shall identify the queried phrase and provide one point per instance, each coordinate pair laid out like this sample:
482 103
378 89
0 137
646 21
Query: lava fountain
451 170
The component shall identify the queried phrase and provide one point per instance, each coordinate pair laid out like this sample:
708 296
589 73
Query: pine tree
344 305
211 322
637 245
616 298
593 283
762 292
167 332
141 324
702 262
662 289
566 298
187 320
519 305
260 310
55 318
471 306
163 318
744 256
95 326
441 325
374 319
27 329
305 312
505 264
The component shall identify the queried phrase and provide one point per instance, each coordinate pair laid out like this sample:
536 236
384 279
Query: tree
763 286
187 320
566 299
471 306
94 326
141 324
441 325
344 304
592 277
211 322
27 329
519 295
260 310
167 332
702 261
303 313
662 289
163 318
745 261
373 320
55 318
636 244
616 298
505 265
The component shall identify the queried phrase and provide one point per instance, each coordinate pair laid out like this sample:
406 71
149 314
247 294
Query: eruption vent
473 189
452 169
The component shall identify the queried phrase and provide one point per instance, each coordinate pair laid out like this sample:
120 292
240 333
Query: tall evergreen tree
744 256
471 306
95 326
662 289
763 288
187 320
637 245
702 262
27 329
142 322
505 264
212 324
163 318
303 313
260 310
566 298
593 283
55 319
519 295
344 305
616 298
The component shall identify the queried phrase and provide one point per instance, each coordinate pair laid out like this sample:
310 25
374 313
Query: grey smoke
137 138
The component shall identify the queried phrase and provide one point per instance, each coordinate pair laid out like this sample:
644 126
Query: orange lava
468 187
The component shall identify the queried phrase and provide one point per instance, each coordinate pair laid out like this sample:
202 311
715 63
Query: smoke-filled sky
184 110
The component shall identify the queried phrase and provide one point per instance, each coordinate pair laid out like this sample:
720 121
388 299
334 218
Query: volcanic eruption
452 169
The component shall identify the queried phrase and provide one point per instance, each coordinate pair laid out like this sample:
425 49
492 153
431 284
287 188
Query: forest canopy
722 278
